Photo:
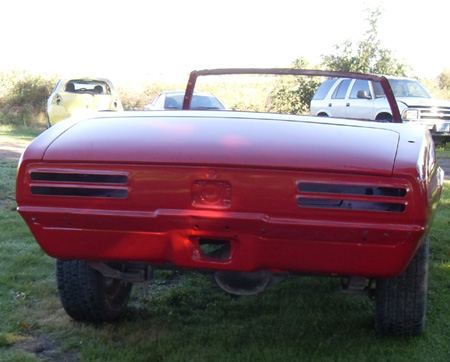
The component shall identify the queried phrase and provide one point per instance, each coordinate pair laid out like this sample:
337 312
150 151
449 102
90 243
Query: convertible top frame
396 118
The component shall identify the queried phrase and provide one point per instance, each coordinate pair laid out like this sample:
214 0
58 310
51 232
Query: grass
184 317
443 151
26 134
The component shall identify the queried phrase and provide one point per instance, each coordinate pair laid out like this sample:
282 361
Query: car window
87 86
174 101
205 102
323 89
360 84
379 92
408 88
341 90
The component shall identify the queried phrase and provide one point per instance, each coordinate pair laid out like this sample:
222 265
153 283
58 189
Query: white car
363 99
171 100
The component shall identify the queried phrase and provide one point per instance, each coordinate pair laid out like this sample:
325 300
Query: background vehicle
248 197
171 100
81 96
363 99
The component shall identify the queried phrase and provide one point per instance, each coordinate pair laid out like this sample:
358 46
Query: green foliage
367 56
294 99
444 79
244 93
294 95
440 87
443 150
237 93
23 98
135 96
435 88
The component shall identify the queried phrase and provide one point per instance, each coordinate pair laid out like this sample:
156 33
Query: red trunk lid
221 139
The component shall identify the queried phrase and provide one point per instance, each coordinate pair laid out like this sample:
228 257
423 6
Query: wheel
401 301
87 295
384 117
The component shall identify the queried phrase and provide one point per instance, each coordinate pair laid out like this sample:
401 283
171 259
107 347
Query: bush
135 97
23 98
435 88
294 97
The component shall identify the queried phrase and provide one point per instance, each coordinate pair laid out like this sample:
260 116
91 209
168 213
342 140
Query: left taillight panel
79 184
38 181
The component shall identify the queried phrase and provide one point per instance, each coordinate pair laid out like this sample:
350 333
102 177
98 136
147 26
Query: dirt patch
10 151
46 348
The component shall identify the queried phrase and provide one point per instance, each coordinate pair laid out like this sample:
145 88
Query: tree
294 95
23 97
367 56
444 79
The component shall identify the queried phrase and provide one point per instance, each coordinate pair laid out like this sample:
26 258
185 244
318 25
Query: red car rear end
248 197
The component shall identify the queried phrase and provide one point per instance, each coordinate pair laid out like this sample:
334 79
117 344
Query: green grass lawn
26 134
185 317
443 151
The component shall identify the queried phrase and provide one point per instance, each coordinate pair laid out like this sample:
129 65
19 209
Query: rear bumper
256 242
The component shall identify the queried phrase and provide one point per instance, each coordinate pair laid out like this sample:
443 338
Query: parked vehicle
364 99
76 96
249 197
172 100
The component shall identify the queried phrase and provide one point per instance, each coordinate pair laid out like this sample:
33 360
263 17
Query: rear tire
401 302
384 117
87 295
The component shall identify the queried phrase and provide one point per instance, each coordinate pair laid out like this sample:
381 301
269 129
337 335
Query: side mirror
363 94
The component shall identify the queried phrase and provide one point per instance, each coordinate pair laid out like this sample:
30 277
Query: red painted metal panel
227 139
152 187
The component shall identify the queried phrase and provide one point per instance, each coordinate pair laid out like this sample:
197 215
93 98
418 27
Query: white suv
363 99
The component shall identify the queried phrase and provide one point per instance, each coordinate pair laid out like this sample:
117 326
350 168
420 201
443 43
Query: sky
143 38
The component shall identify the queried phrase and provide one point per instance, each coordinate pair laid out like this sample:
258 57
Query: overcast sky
127 39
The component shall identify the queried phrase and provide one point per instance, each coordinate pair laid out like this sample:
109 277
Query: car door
337 103
359 103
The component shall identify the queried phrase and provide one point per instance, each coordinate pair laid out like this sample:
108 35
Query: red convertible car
249 197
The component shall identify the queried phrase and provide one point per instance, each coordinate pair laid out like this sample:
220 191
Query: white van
364 99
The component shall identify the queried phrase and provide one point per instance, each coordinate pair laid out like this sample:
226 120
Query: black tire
384 117
87 295
401 302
